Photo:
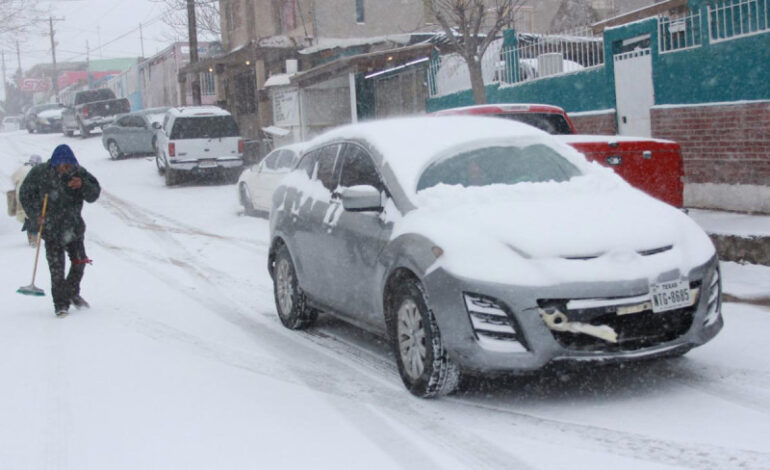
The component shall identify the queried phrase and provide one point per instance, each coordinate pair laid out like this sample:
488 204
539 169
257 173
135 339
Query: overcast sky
111 28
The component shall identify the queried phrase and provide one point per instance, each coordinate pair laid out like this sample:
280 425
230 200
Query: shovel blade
31 290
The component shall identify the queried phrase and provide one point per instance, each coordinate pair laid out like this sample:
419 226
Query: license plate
207 163
670 295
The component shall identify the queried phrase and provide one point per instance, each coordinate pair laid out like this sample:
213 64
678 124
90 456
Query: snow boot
62 312
79 302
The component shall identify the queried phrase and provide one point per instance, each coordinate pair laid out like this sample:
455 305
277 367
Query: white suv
199 139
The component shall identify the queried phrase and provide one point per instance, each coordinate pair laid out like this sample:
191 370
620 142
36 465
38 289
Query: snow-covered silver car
486 246
257 182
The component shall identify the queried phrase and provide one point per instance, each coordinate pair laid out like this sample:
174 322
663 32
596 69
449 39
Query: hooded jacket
63 222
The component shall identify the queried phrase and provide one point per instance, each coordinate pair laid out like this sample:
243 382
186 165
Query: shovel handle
39 236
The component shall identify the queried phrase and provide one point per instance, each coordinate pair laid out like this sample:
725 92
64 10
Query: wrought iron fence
729 19
675 34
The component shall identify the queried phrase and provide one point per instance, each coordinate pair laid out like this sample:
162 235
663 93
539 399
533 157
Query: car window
549 122
271 161
500 165
320 164
204 127
136 121
124 121
287 160
359 169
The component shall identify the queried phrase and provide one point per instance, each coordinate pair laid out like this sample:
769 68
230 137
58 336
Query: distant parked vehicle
258 182
44 118
134 133
11 123
200 140
90 109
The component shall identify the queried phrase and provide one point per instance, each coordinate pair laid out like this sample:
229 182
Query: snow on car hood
587 229
50 113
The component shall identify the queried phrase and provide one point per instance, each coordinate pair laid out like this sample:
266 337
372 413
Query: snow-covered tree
470 27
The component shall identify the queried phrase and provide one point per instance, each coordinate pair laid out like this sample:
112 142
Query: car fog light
494 327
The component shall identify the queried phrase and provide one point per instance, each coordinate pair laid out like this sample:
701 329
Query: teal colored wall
581 91
732 70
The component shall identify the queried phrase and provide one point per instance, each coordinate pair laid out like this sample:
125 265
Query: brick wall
722 144
597 123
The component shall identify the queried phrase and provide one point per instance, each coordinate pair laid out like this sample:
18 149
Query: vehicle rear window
500 165
94 95
205 127
551 123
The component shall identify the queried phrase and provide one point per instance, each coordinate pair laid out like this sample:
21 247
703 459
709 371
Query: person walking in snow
67 185
28 225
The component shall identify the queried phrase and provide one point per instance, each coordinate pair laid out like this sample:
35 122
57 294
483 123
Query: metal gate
634 92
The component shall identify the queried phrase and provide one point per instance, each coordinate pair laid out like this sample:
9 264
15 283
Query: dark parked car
486 246
44 118
133 133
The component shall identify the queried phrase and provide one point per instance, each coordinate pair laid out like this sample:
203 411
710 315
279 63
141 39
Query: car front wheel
114 150
290 301
423 363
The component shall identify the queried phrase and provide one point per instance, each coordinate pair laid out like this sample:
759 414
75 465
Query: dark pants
63 289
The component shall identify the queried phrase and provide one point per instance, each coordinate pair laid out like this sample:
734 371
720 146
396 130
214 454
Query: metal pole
5 94
141 39
53 56
193 39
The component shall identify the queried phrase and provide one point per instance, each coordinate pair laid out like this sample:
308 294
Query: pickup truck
90 109
652 165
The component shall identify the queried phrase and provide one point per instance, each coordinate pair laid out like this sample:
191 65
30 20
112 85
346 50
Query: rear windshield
500 165
551 123
94 95
205 127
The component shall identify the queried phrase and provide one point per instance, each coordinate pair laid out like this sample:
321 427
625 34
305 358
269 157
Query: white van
200 140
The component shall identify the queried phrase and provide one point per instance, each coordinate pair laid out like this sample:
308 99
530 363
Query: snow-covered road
182 363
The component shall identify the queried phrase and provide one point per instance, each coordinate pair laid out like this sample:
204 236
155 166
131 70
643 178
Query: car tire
423 363
172 177
290 301
84 132
161 169
114 150
245 197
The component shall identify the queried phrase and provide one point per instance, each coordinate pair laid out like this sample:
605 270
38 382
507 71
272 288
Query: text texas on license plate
670 295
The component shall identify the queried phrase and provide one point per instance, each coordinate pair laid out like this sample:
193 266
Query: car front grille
636 328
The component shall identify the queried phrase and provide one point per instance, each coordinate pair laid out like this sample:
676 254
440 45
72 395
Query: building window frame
360 12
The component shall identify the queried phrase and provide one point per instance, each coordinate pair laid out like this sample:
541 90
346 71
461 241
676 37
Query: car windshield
501 164
205 127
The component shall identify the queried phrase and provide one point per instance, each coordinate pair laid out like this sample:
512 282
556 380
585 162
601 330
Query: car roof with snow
197 111
409 145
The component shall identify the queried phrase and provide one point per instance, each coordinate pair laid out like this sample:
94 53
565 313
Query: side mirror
156 125
361 199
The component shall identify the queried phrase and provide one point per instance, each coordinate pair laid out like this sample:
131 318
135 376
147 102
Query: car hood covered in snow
50 113
588 229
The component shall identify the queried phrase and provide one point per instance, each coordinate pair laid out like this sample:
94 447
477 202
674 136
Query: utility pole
193 39
141 39
54 75
5 94
18 59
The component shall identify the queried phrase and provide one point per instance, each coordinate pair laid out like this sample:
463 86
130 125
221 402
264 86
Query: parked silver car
486 246
134 133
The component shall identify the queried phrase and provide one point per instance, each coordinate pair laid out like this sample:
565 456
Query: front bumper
205 164
641 334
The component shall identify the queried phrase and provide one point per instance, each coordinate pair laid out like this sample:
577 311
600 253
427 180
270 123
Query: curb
754 249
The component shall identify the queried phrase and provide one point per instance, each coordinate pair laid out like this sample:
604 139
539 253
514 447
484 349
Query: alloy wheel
284 289
411 338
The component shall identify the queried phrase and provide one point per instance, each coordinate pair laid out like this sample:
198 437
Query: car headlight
494 327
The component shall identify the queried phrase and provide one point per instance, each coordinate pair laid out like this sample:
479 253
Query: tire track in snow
464 444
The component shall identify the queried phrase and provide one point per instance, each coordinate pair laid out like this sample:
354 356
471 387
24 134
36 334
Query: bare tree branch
207 17
17 17
470 27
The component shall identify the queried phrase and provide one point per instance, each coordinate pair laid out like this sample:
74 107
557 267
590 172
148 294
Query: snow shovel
32 289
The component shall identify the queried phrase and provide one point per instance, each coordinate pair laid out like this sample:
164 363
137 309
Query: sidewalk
743 244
